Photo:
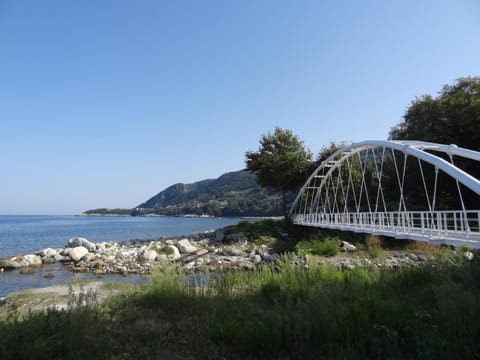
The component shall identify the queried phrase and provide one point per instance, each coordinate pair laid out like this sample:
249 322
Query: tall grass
279 311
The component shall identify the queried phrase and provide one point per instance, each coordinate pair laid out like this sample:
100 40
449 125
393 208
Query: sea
26 234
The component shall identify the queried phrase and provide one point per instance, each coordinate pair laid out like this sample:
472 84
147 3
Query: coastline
200 252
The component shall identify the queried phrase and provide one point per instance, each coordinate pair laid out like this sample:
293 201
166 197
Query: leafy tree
451 118
281 162
328 150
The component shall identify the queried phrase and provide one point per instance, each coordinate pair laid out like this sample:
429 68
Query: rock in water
10 264
32 260
77 253
79 241
48 252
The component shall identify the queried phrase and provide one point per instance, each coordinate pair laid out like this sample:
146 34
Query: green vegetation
277 312
450 118
232 194
326 247
281 163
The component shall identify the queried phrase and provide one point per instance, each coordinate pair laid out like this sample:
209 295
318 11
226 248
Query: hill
232 194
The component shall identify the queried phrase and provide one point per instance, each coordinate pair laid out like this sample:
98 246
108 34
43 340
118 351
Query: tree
281 162
451 118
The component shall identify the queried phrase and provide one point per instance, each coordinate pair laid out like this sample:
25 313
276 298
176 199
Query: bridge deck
458 228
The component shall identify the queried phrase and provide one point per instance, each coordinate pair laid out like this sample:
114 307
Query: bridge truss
403 189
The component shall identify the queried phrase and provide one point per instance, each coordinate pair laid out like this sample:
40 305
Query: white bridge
403 189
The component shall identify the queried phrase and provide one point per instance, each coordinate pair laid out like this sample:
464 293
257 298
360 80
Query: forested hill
232 194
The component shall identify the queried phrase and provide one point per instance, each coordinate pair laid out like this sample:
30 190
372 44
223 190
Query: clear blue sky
106 103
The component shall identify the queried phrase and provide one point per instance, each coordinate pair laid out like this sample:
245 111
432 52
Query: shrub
326 247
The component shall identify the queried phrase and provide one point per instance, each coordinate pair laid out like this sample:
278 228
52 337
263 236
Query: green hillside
232 194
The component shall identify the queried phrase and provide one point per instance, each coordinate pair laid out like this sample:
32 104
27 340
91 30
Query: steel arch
419 150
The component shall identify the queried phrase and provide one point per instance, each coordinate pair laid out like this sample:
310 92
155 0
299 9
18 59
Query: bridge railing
419 224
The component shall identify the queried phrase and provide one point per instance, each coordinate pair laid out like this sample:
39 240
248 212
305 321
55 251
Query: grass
325 247
279 311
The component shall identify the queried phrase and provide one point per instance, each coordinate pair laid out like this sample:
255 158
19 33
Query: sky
106 103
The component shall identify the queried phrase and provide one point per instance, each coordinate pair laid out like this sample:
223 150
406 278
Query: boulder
32 260
58 257
468 255
89 257
347 247
201 252
77 253
79 241
148 255
175 253
48 252
234 250
10 264
185 247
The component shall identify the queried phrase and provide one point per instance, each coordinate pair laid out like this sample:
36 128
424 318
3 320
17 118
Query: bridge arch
405 189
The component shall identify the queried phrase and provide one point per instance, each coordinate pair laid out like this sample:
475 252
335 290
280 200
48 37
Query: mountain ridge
234 193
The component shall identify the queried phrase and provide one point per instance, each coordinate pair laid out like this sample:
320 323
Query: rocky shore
205 251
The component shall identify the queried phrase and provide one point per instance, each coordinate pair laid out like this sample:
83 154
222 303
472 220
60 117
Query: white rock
202 242
77 253
79 241
101 247
185 246
176 254
148 255
48 252
89 257
32 260
201 252
58 257
468 255
347 247
233 250
12 263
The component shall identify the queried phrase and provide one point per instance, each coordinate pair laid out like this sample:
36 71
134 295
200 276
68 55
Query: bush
326 247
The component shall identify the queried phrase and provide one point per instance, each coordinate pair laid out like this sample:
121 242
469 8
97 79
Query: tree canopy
451 118
282 162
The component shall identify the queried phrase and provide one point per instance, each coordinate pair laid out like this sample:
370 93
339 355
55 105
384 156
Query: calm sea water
28 234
